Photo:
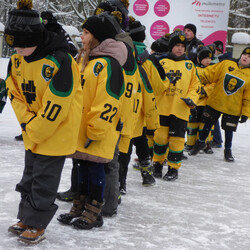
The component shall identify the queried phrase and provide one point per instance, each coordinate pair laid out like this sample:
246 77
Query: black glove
203 93
23 126
243 119
194 116
87 143
189 102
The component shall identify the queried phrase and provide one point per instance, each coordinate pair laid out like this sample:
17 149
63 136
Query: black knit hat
212 47
102 7
161 45
136 30
48 15
219 45
122 6
178 36
23 28
204 52
192 27
102 26
246 51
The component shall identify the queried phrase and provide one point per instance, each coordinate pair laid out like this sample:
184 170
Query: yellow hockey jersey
231 94
208 87
131 112
103 85
184 82
46 95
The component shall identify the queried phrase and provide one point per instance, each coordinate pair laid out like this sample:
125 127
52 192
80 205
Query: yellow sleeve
22 112
194 87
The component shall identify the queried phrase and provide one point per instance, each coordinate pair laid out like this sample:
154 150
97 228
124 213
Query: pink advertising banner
164 16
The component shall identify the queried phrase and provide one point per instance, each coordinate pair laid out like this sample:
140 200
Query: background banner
164 16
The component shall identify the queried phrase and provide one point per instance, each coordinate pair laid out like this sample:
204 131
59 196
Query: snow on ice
208 207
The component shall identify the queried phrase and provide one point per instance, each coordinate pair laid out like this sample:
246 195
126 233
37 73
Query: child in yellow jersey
100 61
195 124
174 106
44 89
231 98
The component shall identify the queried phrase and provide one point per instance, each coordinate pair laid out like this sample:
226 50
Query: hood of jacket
51 43
112 48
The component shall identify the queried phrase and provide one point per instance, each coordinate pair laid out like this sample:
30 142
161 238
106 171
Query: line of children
231 98
92 112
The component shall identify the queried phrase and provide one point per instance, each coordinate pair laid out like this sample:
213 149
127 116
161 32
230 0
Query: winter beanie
161 45
103 7
47 15
121 6
219 46
204 52
102 26
136 30
23 28
192 27
212 47
246 51
178 36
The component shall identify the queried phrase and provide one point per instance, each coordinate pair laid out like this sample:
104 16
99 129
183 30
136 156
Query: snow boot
19 137
228 155
187 147
123 189
32 235
91 216
76 211
208 149
67 195
157 170
171 175
147 178
18 228
199 145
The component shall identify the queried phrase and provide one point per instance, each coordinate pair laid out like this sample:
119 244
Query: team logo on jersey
230 69
174 76
98 68
232 84
29 91
17 63
47 72
188 65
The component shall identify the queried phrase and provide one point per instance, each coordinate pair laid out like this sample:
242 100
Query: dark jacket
192 47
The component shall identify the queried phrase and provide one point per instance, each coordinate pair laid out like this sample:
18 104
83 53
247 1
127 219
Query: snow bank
1 27
241 38
72 31
3 68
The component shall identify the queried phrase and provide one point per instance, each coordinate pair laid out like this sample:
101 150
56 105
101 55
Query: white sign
164 16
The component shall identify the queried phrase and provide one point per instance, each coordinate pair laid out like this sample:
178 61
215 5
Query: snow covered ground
208 207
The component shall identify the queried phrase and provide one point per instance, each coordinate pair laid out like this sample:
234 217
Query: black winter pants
38 188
